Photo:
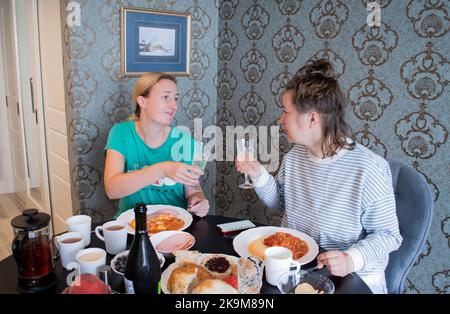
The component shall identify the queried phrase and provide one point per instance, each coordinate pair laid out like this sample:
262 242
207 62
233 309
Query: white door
6 181
8 46
27 78
46 69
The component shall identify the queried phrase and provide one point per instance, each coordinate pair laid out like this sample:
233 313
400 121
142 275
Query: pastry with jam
220 266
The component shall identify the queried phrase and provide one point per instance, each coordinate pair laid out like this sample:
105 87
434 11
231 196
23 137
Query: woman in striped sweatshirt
328 186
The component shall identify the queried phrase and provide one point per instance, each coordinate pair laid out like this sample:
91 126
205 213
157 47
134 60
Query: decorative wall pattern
243 52
396 76
98 96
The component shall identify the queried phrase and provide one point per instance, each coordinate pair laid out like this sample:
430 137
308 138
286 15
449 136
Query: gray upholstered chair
414 210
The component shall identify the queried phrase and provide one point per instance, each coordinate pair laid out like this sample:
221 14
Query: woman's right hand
251 167
181 172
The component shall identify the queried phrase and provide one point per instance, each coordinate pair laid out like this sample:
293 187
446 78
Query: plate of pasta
255 241
159 218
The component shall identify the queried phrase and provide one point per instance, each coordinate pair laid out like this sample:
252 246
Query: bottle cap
140 208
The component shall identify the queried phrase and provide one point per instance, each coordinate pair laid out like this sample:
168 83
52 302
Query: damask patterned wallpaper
243 53
97 96
396 75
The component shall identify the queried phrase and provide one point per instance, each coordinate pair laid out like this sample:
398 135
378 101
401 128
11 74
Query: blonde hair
143 87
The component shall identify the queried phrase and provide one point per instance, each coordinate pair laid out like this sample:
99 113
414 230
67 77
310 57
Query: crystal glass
245 153
293 278
250 272
200 158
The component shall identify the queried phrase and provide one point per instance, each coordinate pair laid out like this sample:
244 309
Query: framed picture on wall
155 41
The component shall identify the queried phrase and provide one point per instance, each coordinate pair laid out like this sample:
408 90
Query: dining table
208 239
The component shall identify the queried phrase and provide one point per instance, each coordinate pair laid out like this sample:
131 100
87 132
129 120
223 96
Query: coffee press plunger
32 250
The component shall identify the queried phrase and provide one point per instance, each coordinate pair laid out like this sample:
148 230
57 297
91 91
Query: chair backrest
414 203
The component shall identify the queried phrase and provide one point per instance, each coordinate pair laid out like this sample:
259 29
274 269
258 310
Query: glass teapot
32 250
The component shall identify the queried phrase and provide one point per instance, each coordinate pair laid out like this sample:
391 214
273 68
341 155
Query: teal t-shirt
179 146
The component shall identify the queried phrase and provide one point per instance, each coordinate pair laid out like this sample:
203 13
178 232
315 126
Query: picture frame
155 41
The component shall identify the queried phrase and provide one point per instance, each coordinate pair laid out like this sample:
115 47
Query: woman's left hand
198 206
338 263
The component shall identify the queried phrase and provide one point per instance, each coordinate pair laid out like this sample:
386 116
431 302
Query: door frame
18 161
6 180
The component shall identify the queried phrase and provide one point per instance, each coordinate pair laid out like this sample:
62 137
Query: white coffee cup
114 235
69 244
88 261
81 224
278 260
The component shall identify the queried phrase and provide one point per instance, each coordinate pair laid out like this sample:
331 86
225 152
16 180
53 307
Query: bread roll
184 256
306 288
214 286
185 277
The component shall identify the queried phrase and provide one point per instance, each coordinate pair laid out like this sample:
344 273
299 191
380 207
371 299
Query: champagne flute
200 159
244 152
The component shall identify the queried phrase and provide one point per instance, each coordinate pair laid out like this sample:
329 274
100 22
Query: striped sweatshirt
345 202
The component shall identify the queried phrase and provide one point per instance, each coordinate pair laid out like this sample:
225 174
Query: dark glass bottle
142 272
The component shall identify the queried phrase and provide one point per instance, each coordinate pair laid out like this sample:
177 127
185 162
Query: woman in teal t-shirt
149 161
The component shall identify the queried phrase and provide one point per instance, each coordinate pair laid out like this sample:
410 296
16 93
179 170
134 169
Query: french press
32 250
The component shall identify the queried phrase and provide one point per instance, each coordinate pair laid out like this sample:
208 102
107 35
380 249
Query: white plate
160 236
128 216
241 241
168 271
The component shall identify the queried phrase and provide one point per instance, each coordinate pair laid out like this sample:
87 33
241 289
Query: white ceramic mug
81 224
88 261
114 235
69 244
278 260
